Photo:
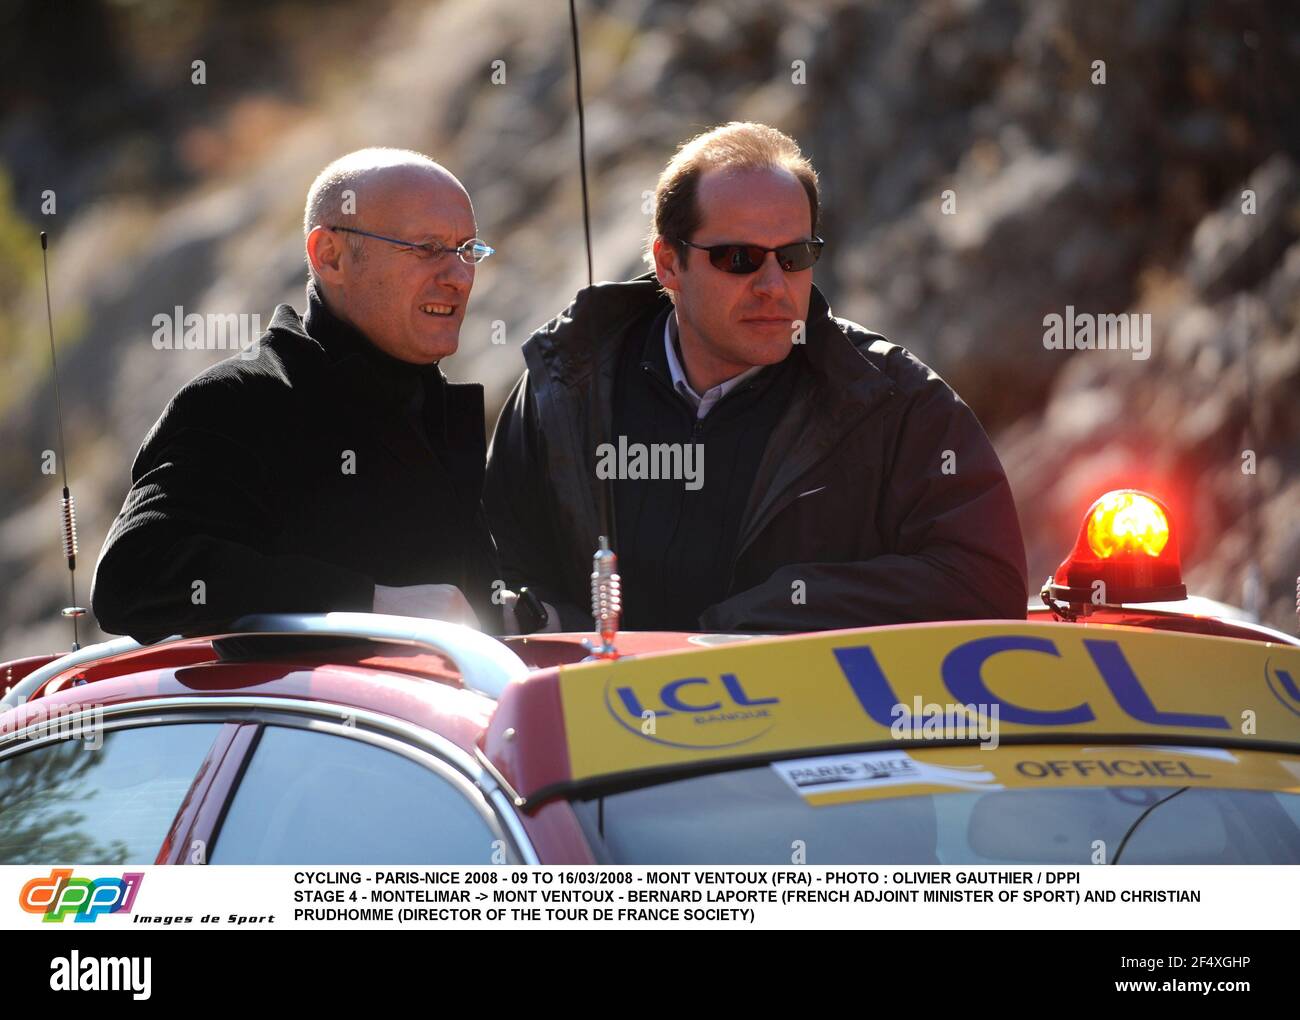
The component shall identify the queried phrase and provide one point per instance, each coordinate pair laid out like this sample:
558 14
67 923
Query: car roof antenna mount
606 586
68 507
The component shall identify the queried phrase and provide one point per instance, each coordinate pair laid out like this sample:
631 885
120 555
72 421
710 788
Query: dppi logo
693 712
1285 687
59 895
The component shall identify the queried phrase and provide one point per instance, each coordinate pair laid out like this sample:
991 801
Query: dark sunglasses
746 258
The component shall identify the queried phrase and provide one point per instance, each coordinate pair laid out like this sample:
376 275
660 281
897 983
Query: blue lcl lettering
963 665
961 672
670 699
1132 698
633 704
1288 684
868 682
738 694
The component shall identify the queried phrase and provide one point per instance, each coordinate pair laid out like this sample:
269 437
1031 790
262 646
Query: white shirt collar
703 403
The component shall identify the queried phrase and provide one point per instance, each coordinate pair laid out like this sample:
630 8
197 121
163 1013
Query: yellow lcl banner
883 687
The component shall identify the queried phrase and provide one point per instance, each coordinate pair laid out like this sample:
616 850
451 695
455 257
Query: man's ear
325 252
668 264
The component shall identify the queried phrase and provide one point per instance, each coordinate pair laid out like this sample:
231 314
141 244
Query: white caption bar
902 897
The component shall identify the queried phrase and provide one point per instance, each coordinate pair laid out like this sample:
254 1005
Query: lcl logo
674 696
695 712
1285 687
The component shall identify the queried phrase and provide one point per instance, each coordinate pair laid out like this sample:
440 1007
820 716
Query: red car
1096 730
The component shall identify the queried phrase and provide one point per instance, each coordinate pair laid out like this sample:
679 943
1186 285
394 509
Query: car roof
555 727
578 728
417 685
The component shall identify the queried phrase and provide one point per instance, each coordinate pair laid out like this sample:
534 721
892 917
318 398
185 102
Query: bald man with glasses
338 469
772 467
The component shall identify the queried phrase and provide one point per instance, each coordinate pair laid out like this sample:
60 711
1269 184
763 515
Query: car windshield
785 812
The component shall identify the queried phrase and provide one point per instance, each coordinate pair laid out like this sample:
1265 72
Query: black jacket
878 499
676 535
296 481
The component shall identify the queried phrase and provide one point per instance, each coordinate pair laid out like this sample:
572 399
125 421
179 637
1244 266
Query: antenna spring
606 597
69 510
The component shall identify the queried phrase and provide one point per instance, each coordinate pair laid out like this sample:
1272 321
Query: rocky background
1131 194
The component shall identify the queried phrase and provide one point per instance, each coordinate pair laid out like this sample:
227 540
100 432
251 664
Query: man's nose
769 278
455 273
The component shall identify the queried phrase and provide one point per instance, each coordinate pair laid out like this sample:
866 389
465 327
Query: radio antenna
68 509
582 135
606 586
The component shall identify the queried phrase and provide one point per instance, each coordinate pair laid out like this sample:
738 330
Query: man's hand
431 601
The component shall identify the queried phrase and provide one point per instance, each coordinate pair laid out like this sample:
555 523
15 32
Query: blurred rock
1231 248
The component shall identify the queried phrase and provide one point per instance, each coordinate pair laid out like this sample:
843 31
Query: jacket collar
360 371
837 390
567 349
341 340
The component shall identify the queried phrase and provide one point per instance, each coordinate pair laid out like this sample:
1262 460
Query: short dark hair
740 145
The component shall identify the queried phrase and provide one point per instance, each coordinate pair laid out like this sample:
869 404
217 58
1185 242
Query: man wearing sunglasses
843 483
337 469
